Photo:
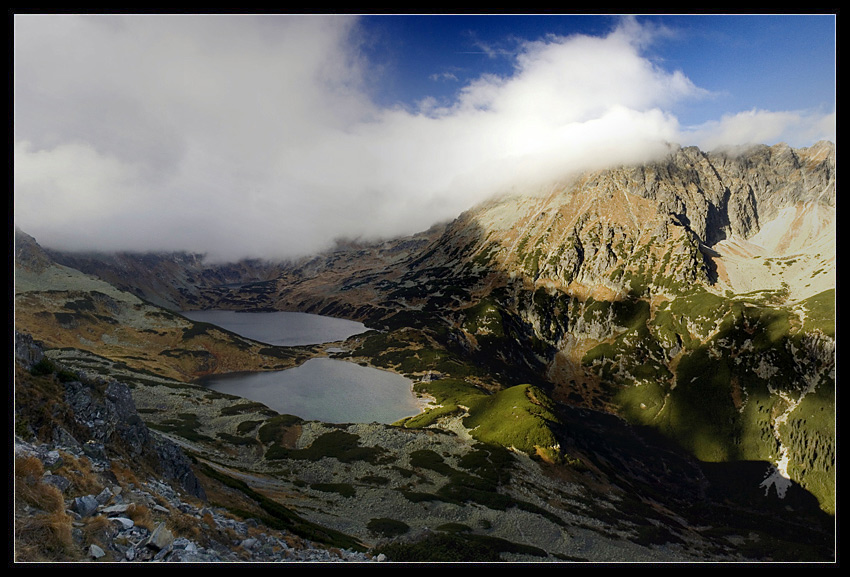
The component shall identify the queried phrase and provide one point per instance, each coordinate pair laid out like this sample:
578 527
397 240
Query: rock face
27 352
105 422
590 229
172 280
28 254
728 193
691 218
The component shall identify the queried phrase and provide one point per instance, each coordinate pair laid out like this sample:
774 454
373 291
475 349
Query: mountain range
632 364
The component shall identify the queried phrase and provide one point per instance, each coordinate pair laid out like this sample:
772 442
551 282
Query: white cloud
444 77
796 128
251 136
73 174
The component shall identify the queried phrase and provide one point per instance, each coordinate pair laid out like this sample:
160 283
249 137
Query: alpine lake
321 389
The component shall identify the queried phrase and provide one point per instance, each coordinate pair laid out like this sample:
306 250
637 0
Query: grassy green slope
748 378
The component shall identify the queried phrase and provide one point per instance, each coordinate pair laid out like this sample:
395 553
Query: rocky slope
693 297
93 482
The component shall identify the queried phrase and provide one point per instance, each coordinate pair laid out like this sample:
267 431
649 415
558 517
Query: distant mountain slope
63 307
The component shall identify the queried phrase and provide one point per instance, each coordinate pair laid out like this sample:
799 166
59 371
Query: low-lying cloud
797 128
249 136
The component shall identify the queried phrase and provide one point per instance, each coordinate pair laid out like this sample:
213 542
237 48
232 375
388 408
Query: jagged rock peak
28 253
592 228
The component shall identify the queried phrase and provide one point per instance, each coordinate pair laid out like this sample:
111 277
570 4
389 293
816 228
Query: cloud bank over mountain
260 136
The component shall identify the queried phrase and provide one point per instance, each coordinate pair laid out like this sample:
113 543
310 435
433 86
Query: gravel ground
581 536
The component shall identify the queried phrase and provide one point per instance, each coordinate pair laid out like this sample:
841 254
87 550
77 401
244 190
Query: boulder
85 506
161 538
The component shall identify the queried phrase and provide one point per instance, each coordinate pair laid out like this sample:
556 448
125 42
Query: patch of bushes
340 445
186 425
247 426
180 353
374 480
343 489
491 463
283 353
235 440
67 319
377 343
455 547
273 429
428 459
386 527
47 367
418 497
406 473
196 329
462 487
250 407
82 305
280 517
484 318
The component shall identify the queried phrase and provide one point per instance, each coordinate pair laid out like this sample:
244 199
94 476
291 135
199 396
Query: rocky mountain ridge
573 236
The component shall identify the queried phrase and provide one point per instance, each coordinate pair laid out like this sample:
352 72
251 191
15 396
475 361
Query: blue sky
436 55
274 135
770 62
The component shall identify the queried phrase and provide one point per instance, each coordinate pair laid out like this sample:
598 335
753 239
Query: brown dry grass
221 495
29 487
141 515
44 537
96 530
42 530
84 480
39 407
209 520
124 474
294 541
183 525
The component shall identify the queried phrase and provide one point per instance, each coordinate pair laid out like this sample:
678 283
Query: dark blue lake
322 389
281 328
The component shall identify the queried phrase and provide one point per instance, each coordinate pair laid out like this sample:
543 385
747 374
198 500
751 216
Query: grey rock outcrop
27 352
721 193
106 413
175 465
